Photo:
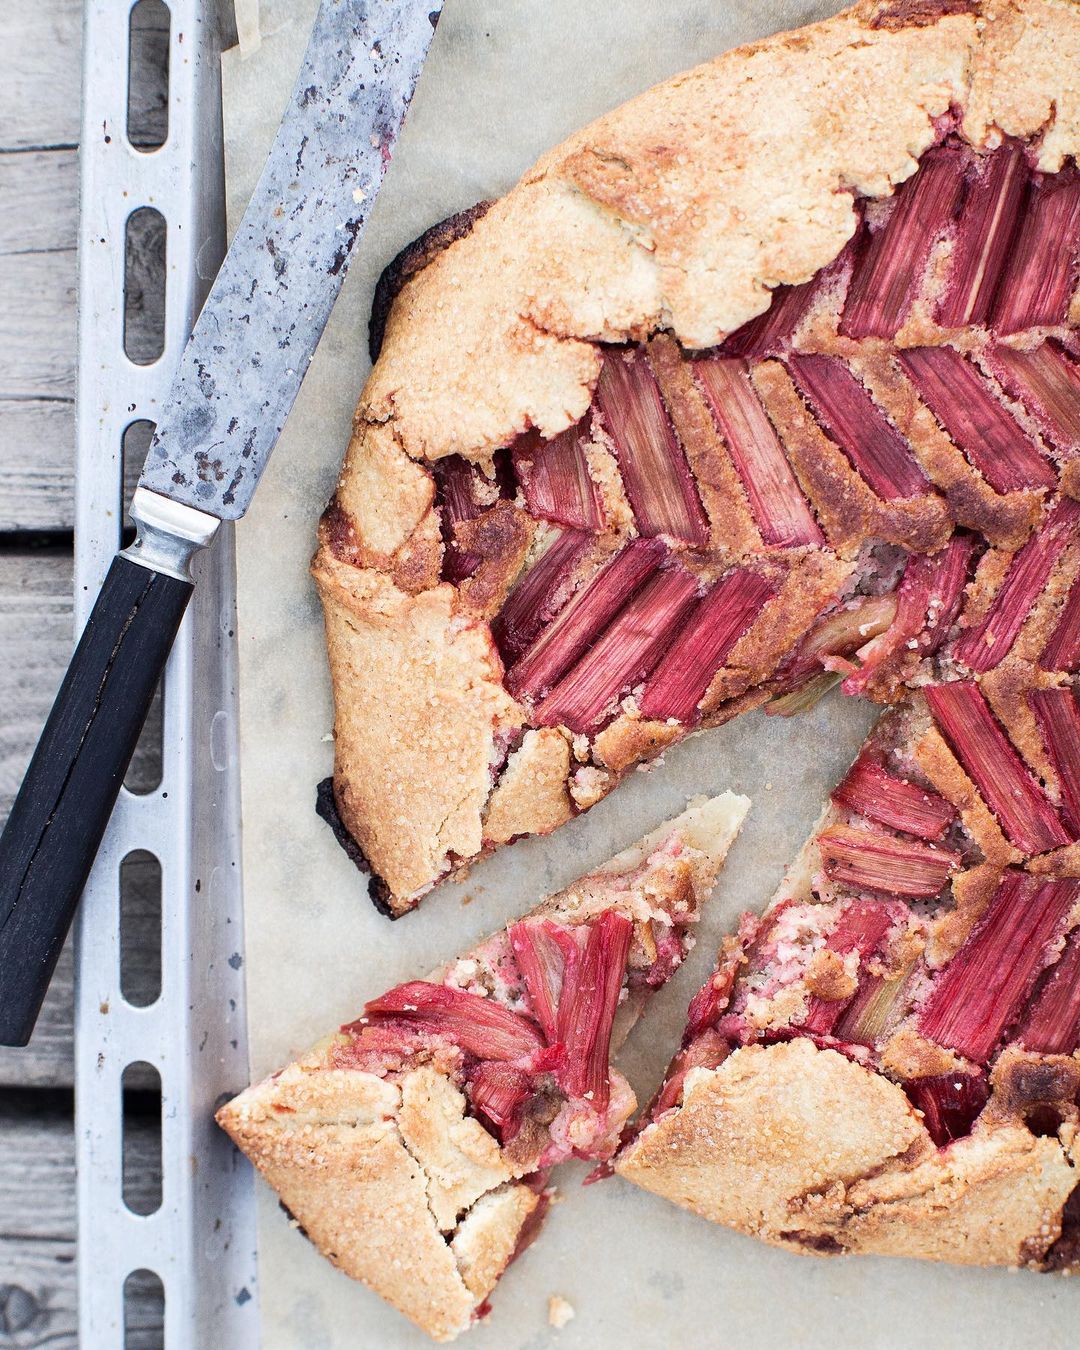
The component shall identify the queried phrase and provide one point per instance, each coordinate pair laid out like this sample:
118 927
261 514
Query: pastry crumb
559 1312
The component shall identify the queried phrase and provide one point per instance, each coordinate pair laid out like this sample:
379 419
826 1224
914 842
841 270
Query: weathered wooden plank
40 69
38 215
37 335
38 232
37 465
36 638
37 1222
39 201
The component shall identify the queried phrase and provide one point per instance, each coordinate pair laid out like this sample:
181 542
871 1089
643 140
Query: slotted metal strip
201 1242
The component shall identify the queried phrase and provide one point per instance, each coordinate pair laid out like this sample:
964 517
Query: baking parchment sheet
505 80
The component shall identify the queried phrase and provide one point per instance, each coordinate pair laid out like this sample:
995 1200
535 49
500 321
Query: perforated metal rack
200 1242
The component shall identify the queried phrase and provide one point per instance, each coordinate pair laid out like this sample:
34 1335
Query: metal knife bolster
169 534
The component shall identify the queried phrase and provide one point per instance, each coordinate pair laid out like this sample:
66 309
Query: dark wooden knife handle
56 824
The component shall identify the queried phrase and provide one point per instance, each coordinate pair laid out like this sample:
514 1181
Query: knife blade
237 379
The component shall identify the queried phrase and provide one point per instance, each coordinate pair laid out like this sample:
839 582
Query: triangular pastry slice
414 1145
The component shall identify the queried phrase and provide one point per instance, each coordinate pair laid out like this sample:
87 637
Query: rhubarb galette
767 379
414 1146
886 1061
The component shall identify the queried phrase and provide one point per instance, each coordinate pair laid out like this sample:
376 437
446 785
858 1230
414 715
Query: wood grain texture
40 73
37 1222
39 200
38 217
37 335
36 636
37 462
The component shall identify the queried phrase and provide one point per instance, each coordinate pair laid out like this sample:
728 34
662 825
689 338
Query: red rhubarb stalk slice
479 1025
866 1018
704 639
554 476
1062 652
457 481
773 331
499 1091
840 634
892 259
988 222
1058 716
587 1005
1040 278
927 603
708 1051
860 928
588 613
868 860
1051 1025
657 477
981 427
868 790
1047 383
536 599
984 986
950 1103
852 418
965 720
777 504
982 647
624 654
544 950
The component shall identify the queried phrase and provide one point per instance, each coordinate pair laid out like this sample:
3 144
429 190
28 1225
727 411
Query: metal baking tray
200 1241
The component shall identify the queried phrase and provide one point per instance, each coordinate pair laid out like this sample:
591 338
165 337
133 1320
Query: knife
237 379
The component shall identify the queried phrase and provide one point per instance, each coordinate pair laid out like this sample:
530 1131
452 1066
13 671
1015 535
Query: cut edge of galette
887 1059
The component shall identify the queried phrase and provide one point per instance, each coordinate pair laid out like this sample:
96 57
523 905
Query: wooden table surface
40 73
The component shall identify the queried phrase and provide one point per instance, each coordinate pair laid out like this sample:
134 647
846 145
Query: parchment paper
504 81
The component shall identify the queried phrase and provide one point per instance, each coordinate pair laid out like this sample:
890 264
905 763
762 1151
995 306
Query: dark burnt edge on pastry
294 1222
326 808
919 13
413 258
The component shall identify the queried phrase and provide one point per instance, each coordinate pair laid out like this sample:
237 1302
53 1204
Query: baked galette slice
414 1145
887 1060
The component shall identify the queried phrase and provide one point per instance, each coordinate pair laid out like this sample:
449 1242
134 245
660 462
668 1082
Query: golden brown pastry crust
615 235
394 1181
806 1149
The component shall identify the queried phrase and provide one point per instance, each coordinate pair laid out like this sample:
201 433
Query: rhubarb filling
906 939
526 1024
869 485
